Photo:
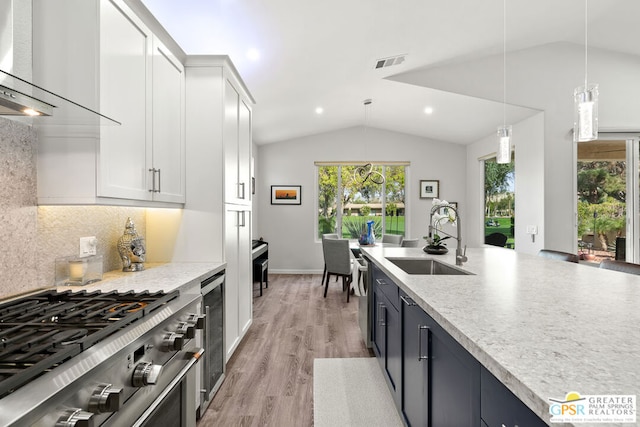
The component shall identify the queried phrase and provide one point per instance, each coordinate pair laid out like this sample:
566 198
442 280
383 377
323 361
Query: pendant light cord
586 25
504 62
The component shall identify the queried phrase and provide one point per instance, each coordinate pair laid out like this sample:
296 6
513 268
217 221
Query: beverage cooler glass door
214 367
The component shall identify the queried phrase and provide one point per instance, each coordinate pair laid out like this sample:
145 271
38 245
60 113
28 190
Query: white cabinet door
232 188
168 172
238 282
125 88
231 319
244 151
245 273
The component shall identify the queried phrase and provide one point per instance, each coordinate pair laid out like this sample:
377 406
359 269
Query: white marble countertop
542 327
154 278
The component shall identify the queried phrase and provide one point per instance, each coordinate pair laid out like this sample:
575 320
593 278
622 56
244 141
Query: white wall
290 230
528 137
543 78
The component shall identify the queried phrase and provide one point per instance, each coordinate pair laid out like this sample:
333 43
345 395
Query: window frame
339 208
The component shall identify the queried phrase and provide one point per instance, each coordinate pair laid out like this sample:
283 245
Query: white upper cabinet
108 58
168 159
237 145
125 92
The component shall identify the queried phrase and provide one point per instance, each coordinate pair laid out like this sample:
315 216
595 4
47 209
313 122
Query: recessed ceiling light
253 54
319 110
428 110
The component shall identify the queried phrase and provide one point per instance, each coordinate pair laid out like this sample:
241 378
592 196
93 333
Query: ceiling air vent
387 62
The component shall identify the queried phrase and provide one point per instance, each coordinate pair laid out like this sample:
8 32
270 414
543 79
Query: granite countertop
542 327
155 278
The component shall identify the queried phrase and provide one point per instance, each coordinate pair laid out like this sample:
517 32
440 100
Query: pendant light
585 99
504 132
365 172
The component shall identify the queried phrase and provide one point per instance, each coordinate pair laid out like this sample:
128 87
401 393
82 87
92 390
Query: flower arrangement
438 218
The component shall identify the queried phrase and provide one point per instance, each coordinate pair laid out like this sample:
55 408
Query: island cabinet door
387 342
415 357
394 353
500 407
454 381
379 328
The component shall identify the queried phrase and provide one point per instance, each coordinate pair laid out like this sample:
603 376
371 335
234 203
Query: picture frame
286 194
429 189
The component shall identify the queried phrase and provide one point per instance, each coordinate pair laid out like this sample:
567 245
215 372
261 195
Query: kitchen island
542 327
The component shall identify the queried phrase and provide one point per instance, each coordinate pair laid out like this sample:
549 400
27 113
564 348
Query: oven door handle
194 359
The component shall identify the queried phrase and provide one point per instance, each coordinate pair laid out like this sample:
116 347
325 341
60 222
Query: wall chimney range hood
14 103
18 97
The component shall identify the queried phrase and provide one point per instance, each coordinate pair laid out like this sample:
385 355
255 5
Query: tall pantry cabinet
219 151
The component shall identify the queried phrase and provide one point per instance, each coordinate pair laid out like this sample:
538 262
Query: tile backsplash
18 211
32 237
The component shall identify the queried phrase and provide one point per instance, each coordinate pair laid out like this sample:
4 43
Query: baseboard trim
272 271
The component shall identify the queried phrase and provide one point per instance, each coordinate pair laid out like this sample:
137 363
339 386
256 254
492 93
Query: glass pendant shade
504 145
585 120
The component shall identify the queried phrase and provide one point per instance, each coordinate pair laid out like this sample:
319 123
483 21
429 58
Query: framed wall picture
429 189
286 194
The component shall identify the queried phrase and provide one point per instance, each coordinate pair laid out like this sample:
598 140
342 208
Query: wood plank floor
269 379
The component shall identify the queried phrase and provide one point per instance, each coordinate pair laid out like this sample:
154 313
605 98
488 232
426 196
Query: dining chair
410 243
496 239
327 236
337 257
625 267
559 255
395 239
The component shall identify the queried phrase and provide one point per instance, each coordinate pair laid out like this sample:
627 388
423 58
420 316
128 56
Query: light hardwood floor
269 379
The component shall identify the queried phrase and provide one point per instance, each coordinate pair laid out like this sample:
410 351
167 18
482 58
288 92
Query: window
499 203
602 199
344 206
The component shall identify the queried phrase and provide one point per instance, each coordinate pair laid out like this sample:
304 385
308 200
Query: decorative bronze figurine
131 248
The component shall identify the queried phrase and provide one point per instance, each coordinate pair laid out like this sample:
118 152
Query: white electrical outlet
88 246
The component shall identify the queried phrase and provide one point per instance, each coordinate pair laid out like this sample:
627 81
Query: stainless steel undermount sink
426 266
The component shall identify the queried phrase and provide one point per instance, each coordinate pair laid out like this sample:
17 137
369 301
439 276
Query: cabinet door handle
381 282
381 312
159 181
153 180
408 301
241 190
241 219
420 356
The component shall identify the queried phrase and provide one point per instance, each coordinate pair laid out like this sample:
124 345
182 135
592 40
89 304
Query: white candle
77 270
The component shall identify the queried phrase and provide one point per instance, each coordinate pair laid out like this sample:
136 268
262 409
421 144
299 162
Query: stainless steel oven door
172 407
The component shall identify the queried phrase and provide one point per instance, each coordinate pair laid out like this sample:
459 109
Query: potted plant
435 242
435 245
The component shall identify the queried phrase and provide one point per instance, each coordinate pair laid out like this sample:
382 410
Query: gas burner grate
39 332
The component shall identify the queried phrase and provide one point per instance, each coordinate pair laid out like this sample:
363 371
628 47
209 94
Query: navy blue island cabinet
434 381
440 379
386 328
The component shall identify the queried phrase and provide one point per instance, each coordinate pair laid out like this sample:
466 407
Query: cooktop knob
188 329
75 418
145 373
105 398
172 342
197 319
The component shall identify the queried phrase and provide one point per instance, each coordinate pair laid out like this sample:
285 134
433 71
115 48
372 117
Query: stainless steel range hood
19 97
13 103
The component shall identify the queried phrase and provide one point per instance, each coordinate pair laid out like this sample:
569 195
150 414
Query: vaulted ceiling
308 55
